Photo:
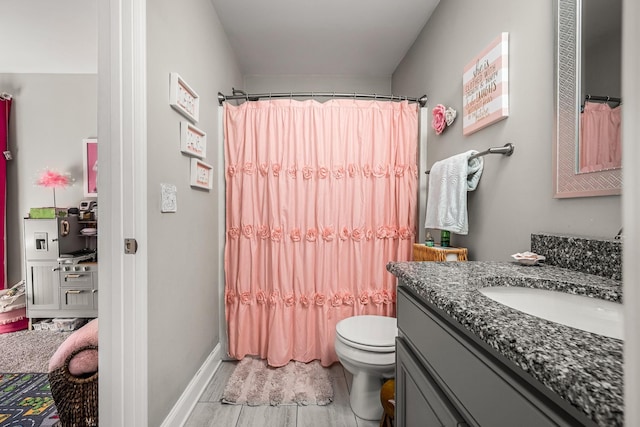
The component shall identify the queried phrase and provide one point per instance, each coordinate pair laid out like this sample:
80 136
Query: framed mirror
569 101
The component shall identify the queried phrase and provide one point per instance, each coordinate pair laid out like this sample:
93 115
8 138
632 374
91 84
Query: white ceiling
349 37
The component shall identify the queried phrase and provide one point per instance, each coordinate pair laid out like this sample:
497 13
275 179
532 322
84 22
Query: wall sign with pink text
485 86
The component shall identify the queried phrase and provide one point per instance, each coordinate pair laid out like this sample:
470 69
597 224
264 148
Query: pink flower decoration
380 171
377 298
364 298
245 298
52 179
264 169
366 170
234 232
289 300
348 299
273 298
295 234
336 300
439 121
263 232
231 171
275 168
261 297
276 234
353 170
328 234
247 230
323 172
344 233
307 172
304 300
399 170
312 235
248 168
230 297
357 234
405 233
319 299
338 172
292 171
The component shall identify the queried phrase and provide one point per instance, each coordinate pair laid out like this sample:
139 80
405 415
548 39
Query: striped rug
254 383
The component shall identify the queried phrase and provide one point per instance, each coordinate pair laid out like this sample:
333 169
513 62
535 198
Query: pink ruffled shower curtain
5 110
600 144
319 198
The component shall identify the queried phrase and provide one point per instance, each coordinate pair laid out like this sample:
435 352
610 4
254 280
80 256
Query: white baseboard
187 401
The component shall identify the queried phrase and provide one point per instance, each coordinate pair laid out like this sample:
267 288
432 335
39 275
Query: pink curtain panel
5 110
600 144
320 197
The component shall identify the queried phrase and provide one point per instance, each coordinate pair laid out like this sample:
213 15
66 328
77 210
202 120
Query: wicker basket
76 398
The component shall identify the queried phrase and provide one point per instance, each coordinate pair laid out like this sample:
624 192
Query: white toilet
366 347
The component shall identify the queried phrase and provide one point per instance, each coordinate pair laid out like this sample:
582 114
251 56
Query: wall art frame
193 141
485 86
201 174
183 98
90 167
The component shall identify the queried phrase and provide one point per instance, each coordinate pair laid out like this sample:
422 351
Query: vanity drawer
479 383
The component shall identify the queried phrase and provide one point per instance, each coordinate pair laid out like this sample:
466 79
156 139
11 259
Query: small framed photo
183 99
90 167
193 141
201 174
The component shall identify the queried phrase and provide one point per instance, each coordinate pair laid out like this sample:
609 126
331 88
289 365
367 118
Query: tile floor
209 411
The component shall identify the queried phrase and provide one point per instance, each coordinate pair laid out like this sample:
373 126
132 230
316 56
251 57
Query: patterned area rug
254 383
25 400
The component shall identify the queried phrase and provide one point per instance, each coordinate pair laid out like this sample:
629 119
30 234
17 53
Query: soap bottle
428 240
444 238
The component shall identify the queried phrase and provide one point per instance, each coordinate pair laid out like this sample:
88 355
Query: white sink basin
589 314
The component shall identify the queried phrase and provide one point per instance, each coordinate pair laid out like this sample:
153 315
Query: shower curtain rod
238 94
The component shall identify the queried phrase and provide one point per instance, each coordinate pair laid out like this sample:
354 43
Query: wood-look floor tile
215 388
336 414
213 414
280 416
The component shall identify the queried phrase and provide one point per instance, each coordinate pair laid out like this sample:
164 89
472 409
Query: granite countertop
585 369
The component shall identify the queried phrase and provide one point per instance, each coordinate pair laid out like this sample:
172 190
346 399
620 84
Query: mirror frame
566 181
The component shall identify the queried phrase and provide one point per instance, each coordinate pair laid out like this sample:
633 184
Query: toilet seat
370 333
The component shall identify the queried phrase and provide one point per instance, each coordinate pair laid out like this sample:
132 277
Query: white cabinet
56 287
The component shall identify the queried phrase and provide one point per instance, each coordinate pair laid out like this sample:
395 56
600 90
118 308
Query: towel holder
506 149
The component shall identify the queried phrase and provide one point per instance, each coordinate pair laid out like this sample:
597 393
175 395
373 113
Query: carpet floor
29 351
254 383
25 400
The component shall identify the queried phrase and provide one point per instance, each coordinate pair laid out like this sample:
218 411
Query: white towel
449 181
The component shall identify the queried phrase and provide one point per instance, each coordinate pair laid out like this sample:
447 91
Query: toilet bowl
366 347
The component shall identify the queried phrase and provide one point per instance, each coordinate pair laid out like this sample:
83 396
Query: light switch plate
169 198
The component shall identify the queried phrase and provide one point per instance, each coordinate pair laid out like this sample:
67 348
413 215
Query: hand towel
449 181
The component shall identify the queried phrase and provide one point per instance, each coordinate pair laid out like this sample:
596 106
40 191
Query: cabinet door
419 400
43 285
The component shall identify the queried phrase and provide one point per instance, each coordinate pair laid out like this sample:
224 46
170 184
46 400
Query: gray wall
183 37
260 83
515 195
50 116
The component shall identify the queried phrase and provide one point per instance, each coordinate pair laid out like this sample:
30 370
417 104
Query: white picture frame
183 98
193 141
201 174
90 167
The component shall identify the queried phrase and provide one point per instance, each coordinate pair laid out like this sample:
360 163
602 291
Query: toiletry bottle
444 238
428 240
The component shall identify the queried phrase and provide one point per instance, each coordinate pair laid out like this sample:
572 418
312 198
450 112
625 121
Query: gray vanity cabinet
445 376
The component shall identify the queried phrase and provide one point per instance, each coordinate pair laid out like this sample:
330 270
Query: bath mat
254 383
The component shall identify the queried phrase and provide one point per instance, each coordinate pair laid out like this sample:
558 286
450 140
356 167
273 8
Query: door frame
122 117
